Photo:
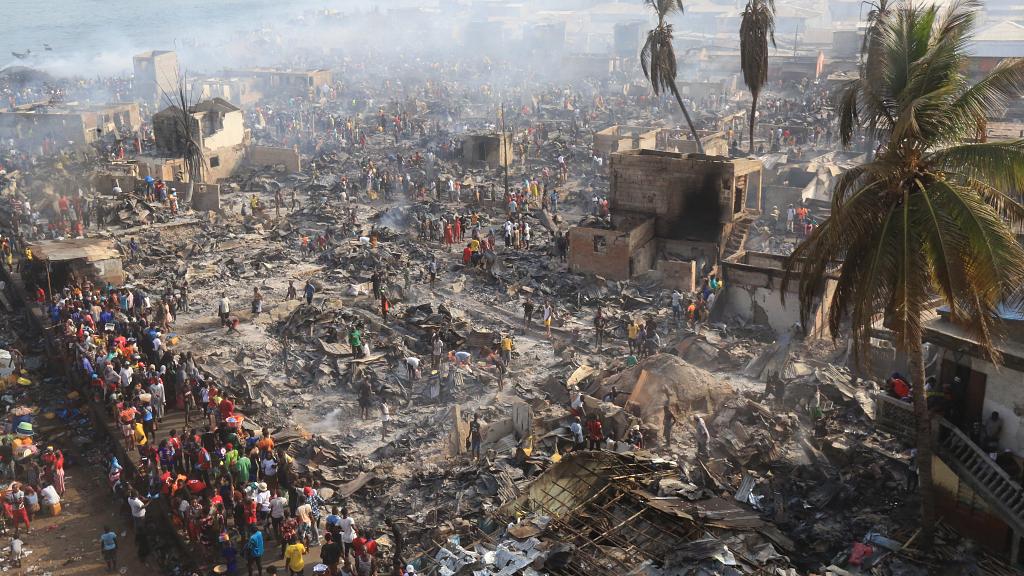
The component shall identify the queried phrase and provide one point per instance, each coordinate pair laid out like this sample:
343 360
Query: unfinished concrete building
60 126
283 82
677 213
491 150
621 138
753 294
155 73
219 127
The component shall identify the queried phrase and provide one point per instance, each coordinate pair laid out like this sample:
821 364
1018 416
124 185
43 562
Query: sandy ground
68 545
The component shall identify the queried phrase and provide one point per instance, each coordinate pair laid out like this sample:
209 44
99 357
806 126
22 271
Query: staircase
1003 494
970 463
737 238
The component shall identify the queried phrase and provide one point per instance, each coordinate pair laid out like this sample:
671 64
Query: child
17 553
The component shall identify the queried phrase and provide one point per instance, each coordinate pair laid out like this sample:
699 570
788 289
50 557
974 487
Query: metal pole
504 148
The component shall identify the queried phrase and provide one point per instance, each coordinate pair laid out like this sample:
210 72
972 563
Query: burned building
492 150
219 128
281 82
669 211
156 74
621 138
49 126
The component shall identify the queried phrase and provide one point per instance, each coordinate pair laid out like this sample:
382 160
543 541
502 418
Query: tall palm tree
756 28
658 58
931 214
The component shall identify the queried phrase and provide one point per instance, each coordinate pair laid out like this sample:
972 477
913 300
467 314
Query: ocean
89 37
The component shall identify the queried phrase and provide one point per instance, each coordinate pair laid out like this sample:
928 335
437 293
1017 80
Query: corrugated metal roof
89 249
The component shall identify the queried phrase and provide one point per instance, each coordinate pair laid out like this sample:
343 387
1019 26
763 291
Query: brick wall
675 190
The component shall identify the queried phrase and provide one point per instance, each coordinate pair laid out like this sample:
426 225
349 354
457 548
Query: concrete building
978 486
491 150
156 74
753 293
670 211
282 82
219 127
621 138
61 126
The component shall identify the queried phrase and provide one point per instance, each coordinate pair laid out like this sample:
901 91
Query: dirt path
68 545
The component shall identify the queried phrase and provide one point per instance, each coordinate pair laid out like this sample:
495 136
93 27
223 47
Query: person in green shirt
231 456
242 467
355 339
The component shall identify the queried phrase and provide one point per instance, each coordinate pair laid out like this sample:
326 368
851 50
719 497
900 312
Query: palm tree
931 214
756 28
658 58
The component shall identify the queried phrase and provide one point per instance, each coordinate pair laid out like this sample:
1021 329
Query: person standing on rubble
292 293
576 428
702 436
432 270
595 433
309 291
677 307
436 351
548 315
257 303
385 417
385 306
599 326
475 437
528 308
224 309
355 340
668 420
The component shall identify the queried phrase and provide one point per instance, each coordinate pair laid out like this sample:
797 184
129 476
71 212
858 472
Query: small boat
21 56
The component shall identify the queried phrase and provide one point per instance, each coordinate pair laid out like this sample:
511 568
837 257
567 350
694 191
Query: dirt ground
68 545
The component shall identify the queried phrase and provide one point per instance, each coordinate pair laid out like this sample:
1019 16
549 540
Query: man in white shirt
138 509
126 376
224 308
278 504
348 533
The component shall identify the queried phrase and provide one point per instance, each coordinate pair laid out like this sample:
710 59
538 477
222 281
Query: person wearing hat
410 570
15 498
635 437
263 504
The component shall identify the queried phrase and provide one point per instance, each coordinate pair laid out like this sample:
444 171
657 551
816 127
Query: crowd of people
229 489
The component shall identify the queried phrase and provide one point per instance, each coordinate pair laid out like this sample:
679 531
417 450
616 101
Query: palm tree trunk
925 439
693 131
753 112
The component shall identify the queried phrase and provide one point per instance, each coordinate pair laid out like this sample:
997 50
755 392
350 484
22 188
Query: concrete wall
1004 393
227 160
673 189
678 274
753 290
622 251
31 128
966 511
232 134
273 155
487 149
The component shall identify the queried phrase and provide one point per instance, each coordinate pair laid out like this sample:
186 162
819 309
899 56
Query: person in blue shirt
108 547
254 551
310 290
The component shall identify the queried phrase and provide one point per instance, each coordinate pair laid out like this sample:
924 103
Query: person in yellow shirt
474 245
140 435
633 330
506 349
293 558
